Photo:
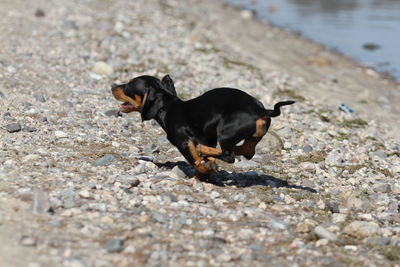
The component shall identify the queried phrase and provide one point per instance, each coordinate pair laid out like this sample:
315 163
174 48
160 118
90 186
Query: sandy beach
82 186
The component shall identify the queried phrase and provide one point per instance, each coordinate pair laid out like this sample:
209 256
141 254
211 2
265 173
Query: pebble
114 245
307 148
40 202
29 158
279 225
333 159
177 173
306 226
382 188
113 113
246 14
378 241
163 140
75 262
361 229
102 68
150 149
60 134
84 194
106 160
321 232
13 127
245 164
28 241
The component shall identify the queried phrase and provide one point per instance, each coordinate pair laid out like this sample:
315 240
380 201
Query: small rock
246 14
31 157
84 194
358 201
102 68
40 13
378 155
114 245
40 202
2 95
60 134
68 196
214 194
163 140
160 217
40 98
307 166
382 188
321 242
287 145
245 233
25 194
333 206
113 113
275 224
75 262
378 241
29 129
245 164
28 241
339 217
106 160
134 182
371 46
13 127
361 228
151 148
321 232
70 212
177 173
306 226
307 148
333 158
11 69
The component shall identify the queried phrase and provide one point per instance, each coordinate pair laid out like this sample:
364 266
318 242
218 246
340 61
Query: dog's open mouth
126 107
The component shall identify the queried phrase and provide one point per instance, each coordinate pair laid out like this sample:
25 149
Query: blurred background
365 30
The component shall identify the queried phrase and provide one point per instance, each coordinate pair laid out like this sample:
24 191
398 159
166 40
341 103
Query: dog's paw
211 165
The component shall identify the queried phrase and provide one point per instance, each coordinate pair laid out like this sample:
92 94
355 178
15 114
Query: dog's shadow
245 179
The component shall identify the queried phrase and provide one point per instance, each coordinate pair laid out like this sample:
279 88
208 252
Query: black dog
223 116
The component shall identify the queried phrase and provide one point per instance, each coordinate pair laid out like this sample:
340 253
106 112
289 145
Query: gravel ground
81 186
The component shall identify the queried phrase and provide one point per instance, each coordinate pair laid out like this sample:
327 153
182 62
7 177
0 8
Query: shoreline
254 15
330 77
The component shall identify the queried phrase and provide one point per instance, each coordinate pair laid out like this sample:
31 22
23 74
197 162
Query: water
365 30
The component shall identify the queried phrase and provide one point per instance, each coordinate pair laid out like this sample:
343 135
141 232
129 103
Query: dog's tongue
125 105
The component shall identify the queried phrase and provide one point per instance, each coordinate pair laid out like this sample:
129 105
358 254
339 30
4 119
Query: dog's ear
168 84
152 103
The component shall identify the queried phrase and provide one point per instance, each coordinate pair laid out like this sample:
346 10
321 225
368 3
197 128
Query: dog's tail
276 111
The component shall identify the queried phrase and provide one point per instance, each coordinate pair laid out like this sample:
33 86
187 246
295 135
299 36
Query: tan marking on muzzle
136 103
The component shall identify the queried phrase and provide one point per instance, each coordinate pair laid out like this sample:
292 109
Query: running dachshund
223 116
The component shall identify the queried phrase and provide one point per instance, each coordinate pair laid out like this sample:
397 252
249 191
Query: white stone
102 68
60 134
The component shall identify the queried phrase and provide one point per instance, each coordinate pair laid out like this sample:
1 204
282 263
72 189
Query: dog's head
143 94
